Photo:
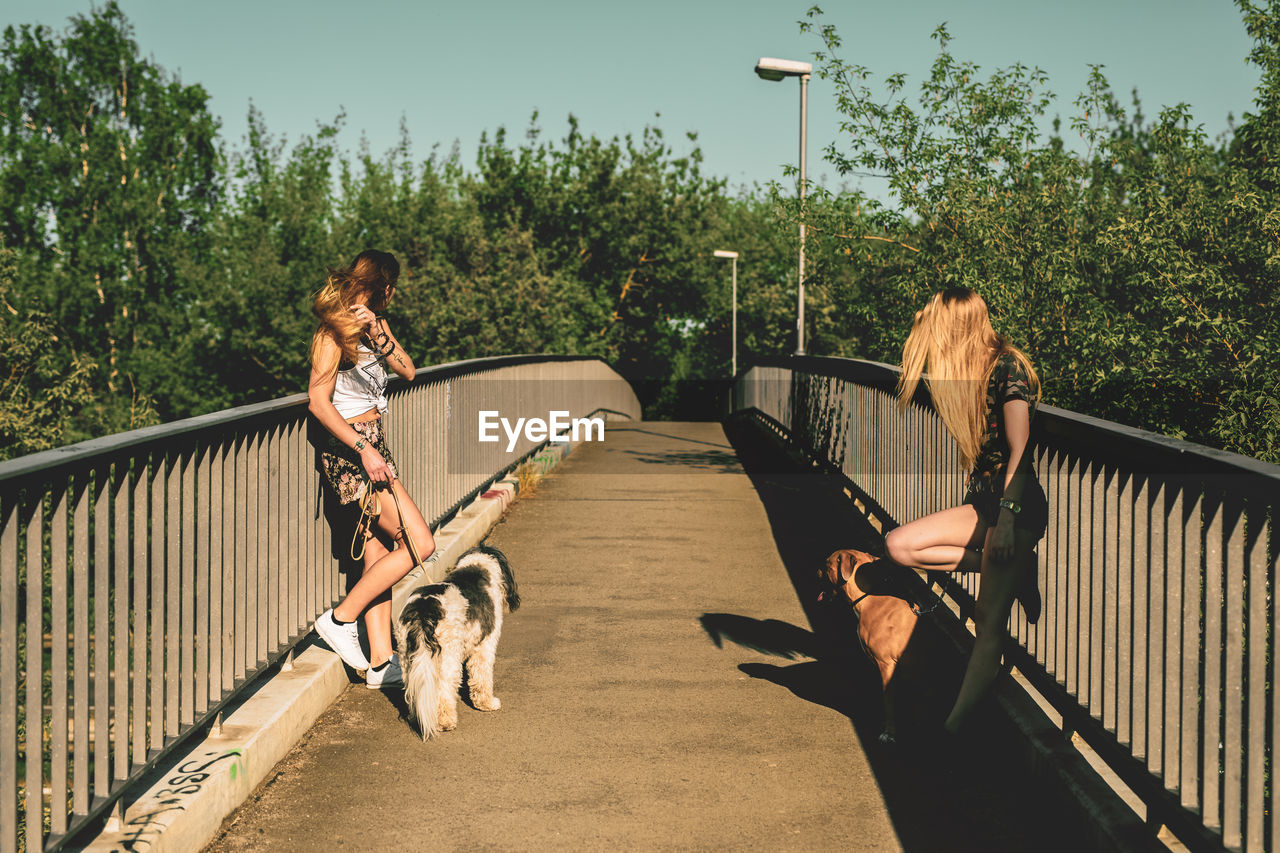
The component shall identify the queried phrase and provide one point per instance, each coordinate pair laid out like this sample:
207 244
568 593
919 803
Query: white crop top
360 388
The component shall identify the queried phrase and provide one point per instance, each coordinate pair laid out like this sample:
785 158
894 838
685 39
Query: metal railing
1158 634
146 576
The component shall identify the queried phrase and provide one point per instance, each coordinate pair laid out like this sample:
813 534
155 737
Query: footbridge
670 681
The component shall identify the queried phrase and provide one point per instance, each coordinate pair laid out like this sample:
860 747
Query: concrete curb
182 805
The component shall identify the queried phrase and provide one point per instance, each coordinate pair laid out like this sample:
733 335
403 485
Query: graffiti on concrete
184 782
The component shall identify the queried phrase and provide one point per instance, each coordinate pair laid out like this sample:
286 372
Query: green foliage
108 181
1138 273
584 247
626 219
161 274
268 247
156 273
38 392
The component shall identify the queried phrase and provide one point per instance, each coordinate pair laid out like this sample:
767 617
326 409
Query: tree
268 248
178 275
1138 273
38 391
108 182
627 217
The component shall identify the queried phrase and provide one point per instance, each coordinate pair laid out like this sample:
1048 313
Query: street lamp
721 253
776 69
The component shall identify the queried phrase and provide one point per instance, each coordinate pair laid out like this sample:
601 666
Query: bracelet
1013 506
360 444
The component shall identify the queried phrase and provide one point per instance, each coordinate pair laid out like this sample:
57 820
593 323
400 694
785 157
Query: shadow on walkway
962 796
702 456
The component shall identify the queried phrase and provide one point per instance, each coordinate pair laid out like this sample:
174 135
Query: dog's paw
493 703
887 739
446 718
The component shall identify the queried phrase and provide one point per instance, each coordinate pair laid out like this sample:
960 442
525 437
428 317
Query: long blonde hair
953 347
372 275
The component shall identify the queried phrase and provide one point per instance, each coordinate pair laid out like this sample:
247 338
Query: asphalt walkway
663 687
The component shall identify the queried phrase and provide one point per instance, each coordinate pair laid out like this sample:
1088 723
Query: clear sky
455 69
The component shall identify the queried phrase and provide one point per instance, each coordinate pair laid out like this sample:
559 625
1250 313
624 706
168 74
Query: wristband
1013 506
360 444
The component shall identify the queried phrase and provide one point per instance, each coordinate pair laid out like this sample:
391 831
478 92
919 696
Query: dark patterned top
1008 382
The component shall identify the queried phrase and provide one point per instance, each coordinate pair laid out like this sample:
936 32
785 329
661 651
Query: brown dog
885 619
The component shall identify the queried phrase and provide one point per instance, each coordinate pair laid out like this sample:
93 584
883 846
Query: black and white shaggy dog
447 625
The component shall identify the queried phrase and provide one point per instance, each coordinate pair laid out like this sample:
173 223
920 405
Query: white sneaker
343 639
390 676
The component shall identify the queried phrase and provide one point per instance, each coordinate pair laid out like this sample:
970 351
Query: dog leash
370 509
937 600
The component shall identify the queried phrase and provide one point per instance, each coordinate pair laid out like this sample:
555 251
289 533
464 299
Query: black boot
1028 593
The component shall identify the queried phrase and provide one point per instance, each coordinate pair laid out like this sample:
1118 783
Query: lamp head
769 68
721 253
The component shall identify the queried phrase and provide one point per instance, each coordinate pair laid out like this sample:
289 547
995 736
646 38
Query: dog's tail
509 589
420 651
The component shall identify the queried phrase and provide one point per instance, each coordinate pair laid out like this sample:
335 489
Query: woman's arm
324 376
1017 433
397 359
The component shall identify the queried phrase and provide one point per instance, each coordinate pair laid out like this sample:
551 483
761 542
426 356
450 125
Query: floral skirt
341 465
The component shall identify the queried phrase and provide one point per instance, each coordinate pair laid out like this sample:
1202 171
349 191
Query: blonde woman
350 350
986 392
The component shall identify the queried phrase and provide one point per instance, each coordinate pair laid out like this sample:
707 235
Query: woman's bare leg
380 576
999 580
942 541
377 616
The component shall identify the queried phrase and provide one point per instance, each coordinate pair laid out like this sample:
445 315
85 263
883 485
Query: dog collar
841 580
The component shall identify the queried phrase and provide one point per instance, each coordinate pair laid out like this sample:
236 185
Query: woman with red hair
350 350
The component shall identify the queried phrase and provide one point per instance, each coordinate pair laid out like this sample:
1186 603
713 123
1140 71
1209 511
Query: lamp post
776 69
721 253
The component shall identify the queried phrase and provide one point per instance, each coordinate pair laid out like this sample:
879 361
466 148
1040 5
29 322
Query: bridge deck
623 722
